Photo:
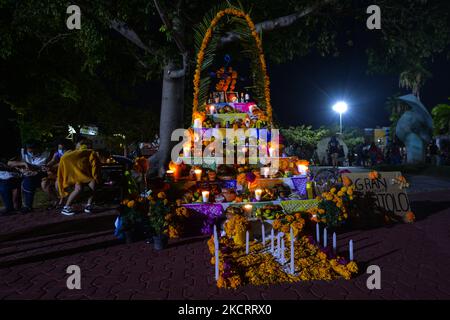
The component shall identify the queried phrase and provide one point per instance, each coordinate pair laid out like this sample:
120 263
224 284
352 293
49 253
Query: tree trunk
172 105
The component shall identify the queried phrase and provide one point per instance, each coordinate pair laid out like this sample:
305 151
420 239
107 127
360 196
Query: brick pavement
35 250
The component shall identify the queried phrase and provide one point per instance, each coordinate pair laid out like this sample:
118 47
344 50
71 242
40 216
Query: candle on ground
325 238
292 252
317 233
247 239
278 245
334 242
271 240
350 250
263 232
265 171
216 253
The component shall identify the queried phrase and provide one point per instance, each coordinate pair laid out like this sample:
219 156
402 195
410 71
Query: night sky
304 90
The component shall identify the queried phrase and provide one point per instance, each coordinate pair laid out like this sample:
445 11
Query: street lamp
340 107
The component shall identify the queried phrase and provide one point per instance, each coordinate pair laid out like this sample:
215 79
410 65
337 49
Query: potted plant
158 210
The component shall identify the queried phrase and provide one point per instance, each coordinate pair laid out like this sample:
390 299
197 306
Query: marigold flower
161 195
373 175
346 181
410 217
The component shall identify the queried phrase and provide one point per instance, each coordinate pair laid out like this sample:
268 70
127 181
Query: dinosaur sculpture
414 128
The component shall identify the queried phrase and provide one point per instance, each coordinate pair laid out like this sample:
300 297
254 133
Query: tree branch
270 25
52 41
123 29
176 36
174 74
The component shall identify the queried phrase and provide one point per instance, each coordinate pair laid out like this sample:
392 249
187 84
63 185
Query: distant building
379 135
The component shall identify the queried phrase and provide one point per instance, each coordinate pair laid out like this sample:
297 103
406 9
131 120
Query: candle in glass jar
248 209
169 173
258 193
205 196
198 174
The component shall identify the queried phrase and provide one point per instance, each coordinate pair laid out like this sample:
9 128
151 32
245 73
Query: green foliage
441 118
305 136
132 219
412 33
352 137
157 215
56 76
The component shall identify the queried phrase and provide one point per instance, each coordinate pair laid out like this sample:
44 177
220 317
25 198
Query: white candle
197 123
248 209
265 171
350 250
211 109
258 193
271 240
317 233
247 236
216 253
205 196
271 152
198 174
278 245
325 238
282 250
334 242
292 252
263 232
187 151
302 169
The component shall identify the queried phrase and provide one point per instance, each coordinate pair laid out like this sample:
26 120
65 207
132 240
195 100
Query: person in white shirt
33 168
10 188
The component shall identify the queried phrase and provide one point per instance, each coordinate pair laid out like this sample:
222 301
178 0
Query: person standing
333 149
433 151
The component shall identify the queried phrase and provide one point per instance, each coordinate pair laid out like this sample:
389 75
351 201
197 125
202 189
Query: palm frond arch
206 42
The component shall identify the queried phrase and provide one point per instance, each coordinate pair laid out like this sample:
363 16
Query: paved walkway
35 250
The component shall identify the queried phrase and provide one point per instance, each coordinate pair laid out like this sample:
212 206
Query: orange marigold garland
207 39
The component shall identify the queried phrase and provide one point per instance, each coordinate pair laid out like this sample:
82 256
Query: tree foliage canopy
55 76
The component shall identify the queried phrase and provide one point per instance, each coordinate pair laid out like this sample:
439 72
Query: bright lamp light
340 107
